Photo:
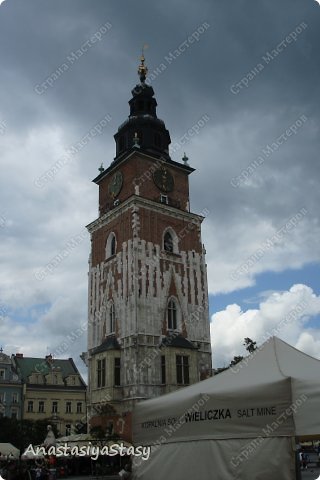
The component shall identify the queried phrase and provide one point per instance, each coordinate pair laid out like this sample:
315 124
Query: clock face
115 184
163 180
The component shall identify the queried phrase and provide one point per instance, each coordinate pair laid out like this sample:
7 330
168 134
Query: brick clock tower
148 327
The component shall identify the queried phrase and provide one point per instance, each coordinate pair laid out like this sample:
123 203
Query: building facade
10 388
148 326
53 390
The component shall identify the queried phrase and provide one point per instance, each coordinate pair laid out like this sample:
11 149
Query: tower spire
142 69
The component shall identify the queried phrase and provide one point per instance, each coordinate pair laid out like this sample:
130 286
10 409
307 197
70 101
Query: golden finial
142 69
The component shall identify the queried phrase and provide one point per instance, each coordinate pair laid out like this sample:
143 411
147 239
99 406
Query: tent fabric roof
9 449
276 374
281 359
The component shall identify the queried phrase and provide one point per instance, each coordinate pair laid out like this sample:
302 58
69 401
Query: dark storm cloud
51 96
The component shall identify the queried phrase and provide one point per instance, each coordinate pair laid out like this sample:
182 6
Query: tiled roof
29 365
177 341
110 343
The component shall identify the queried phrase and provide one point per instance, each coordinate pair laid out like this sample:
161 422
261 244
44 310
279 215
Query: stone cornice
137 152
137 201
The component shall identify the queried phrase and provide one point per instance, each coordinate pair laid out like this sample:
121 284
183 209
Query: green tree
22 433
236 360
250 345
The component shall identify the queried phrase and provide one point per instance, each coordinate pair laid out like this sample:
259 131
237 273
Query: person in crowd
125 473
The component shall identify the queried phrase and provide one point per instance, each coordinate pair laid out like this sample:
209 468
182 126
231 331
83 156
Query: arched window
172 315
168 242
111 245
112 318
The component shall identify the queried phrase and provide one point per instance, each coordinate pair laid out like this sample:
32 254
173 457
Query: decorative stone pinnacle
136 140
185 159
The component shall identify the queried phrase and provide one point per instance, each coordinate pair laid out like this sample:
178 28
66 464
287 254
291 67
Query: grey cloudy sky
253 71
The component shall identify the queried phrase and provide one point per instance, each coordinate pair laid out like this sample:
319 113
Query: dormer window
164 199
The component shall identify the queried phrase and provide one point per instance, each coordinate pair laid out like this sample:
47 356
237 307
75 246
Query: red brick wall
139 170
152 227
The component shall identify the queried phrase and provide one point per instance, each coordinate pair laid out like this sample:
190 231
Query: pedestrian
38 473
303 460
125 473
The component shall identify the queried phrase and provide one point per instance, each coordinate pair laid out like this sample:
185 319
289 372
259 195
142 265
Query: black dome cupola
143 129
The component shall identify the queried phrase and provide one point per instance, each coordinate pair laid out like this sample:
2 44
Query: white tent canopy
8 450
237 423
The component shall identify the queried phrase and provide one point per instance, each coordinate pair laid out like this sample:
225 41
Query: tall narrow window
101 373
112 318
41 406
163 370
54 407
111 245
172 315
117 372
30 406
168 242
79 407
68 407
98 373
170 239
182 366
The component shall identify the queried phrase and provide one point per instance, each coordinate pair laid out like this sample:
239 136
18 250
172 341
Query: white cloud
283 314
60 329
269 223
